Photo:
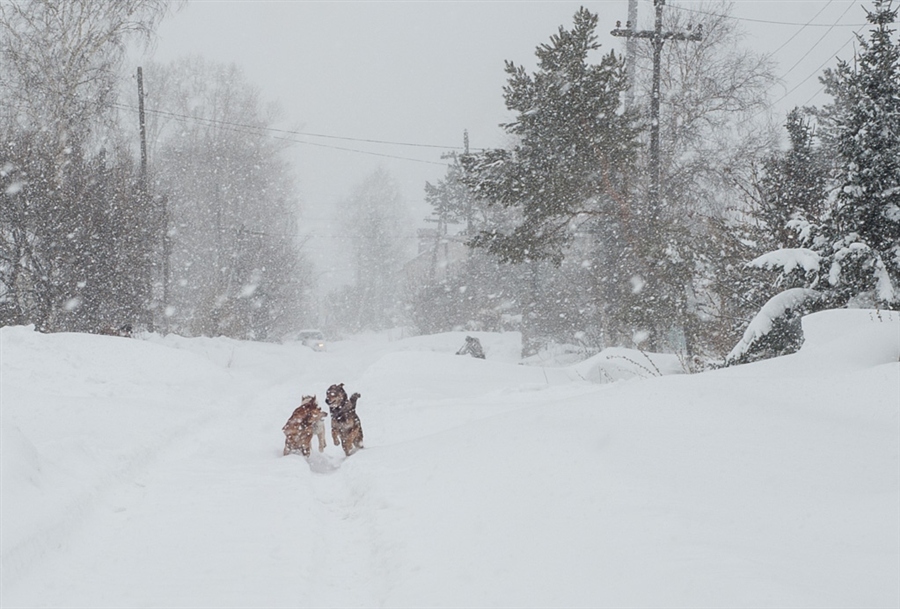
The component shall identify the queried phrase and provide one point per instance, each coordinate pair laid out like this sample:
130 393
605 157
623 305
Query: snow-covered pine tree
573 145
791 184
860 240
794 184
563 184
851 257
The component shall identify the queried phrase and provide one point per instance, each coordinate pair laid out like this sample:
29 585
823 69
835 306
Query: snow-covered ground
149 473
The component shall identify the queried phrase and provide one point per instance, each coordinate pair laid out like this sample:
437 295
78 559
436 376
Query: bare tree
73 228
61 61
374 220
713 132
235 263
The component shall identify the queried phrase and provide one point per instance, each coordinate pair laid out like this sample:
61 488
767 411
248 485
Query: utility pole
657 37
631 52
469 220
145 193
143 126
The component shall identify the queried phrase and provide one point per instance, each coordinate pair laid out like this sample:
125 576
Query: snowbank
616 364
149 473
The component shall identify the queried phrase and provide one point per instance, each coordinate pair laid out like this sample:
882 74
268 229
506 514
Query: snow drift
149 473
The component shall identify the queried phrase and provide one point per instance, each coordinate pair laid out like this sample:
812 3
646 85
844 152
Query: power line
797 33
303 133
816 71
828 25
821 38
334 137
259 130
381 154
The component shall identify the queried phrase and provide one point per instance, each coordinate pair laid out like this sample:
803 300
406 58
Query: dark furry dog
346 430
304 422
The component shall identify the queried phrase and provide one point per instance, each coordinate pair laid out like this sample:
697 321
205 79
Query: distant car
314 339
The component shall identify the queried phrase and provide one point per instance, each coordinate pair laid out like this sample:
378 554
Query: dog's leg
351 441
291 444
320 434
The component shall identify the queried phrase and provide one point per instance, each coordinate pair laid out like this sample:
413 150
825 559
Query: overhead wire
766 21
262 130
816 71
810 23
806 25
821 38
304 133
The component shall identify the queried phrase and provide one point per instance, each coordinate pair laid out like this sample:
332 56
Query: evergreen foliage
849 252
860 240
561 191
792 184
573 146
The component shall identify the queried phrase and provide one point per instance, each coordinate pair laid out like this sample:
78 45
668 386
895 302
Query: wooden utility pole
657 37
143 126
469 219
145 192
631 52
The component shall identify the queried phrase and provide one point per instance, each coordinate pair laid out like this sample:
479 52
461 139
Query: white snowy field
148 473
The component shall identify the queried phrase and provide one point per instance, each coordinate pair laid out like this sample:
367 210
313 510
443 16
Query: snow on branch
788 259
776 307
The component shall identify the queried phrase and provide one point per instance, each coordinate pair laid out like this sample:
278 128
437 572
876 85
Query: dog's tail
355 397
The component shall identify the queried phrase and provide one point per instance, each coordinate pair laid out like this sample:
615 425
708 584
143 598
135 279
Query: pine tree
860 241
791 187
573 145
562 186
851 256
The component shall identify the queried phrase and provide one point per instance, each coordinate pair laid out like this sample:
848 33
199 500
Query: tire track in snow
19 560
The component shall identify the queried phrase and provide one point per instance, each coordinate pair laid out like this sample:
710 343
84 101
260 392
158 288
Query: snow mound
619 364
852 338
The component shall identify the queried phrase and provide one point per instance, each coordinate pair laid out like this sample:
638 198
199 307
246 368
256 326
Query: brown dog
304 422
346 430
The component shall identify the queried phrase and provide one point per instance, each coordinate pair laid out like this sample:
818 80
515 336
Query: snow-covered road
148 473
